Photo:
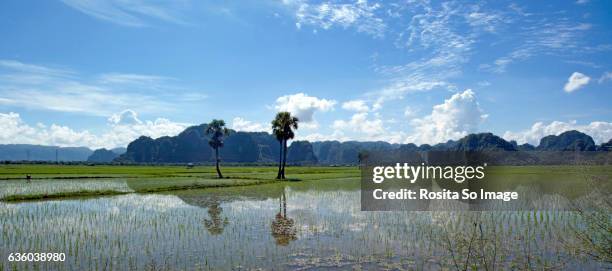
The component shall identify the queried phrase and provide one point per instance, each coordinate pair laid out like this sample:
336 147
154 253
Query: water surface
302 225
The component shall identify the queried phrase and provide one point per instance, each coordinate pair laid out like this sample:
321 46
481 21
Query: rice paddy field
174 218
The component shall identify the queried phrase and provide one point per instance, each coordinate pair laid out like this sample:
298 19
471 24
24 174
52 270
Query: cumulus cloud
122 128
125 117
304 107
453 119
576 81
240 124
601 131
359 122
355 105
364 126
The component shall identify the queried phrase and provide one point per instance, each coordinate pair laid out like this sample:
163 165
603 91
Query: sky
101 73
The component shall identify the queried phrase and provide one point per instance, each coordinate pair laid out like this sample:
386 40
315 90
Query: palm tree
277 131
217 129
282 128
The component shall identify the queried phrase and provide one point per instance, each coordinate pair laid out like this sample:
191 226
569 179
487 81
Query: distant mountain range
191 146
104 155
27 152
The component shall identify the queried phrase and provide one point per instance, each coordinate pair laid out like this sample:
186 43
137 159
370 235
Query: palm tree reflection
283 227
216 223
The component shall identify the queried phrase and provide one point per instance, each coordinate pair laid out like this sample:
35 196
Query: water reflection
309 225
283 227
217 222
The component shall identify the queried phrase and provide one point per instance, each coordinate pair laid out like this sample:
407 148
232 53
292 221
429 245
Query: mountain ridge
191 146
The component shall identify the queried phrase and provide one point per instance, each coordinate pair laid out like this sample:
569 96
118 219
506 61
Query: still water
302 225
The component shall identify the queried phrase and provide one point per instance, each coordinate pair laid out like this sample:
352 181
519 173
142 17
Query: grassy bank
107 171
62 181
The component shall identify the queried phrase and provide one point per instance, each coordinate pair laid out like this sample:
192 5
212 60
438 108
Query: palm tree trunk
217 159
284 158
280 160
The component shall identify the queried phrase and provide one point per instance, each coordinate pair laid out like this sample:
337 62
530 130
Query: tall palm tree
282 127
217 130
278 133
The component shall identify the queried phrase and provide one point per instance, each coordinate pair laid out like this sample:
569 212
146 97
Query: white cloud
313 137
240 124
125 117
304 107
453 119
487 21
546 35
128 78
38 87
360 123
356 105
364 126
34 69
601 131
131 12
409 112
122 129
607 76
576 81
358 14
401 87
442 36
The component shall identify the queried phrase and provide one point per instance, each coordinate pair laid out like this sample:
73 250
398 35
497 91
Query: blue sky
100 73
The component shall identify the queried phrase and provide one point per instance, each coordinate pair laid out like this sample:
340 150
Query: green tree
217 130
282 127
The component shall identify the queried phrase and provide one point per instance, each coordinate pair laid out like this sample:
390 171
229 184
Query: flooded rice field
303 225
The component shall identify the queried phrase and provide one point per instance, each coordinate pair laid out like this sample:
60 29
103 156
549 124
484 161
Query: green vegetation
56 181
306 225
314 223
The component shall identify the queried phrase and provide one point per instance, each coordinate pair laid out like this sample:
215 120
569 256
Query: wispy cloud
606 76
546 34
34 69
359 15
443 36
135 13
39 87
